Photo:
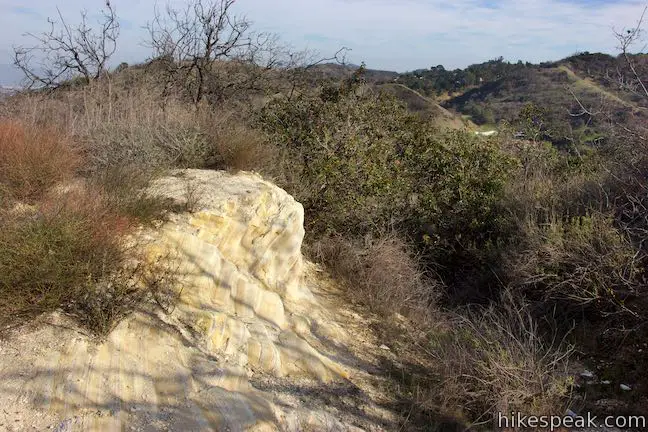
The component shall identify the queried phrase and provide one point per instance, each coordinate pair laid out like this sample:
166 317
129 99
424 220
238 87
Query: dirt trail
589 84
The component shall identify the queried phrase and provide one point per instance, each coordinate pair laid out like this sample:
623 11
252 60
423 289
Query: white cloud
390 34
415 33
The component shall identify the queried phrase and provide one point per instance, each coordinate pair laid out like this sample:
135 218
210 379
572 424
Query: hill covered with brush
568 92
493 274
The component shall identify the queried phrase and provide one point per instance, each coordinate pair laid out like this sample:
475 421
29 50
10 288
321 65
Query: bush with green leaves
343 148
362 163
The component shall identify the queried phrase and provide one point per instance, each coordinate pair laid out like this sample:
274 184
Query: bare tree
205 38
627 39
301 64
66 51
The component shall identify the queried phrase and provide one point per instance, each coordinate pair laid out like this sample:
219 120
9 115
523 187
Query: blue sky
387 34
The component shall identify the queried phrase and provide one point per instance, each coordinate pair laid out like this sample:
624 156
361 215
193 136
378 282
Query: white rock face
253 224
244 310
241 261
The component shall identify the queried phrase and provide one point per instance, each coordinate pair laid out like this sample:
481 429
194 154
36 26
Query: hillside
223 237
389 83
495 91
548 88
610 73
486 94
424 106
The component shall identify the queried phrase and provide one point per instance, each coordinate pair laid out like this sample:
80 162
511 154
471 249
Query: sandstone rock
243 308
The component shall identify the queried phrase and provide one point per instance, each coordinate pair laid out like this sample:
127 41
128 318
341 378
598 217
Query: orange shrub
32 160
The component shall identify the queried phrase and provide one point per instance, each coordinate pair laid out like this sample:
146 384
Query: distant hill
338 71
487 93
333 70
607 73
388 82
424 106
490 92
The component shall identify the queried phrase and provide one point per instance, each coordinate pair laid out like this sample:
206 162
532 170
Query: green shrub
457 179
363 163
343 145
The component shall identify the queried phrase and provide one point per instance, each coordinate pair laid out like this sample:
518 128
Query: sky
398 35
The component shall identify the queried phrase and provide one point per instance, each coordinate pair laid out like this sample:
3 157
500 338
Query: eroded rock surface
253 342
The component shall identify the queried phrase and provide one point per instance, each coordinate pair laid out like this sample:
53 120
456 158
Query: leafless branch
66 51
627 39
303 62
196 41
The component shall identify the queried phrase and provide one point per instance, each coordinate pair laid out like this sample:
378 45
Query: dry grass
66 252
385 275
236 146
495 360
130 124
32 160
63 251
60 236
243 149
566 248
124 188
582 263
117 125
462 366
49 258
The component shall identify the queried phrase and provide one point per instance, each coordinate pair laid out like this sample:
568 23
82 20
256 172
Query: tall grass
127 123
60 235
495 360
385 275
32 160
48 259
117 126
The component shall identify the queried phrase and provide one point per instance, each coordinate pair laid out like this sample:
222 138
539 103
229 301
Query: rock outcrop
246 321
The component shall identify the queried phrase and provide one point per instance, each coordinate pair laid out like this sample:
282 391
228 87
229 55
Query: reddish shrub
32 160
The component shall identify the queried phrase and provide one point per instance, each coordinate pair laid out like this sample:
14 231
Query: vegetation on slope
499 251
60 241
569 91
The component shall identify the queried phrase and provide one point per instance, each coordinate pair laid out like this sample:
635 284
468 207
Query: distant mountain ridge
339 71
490 92
594 80
496 90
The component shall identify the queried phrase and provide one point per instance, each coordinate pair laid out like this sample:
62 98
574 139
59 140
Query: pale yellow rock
265 356
243 309
300 358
